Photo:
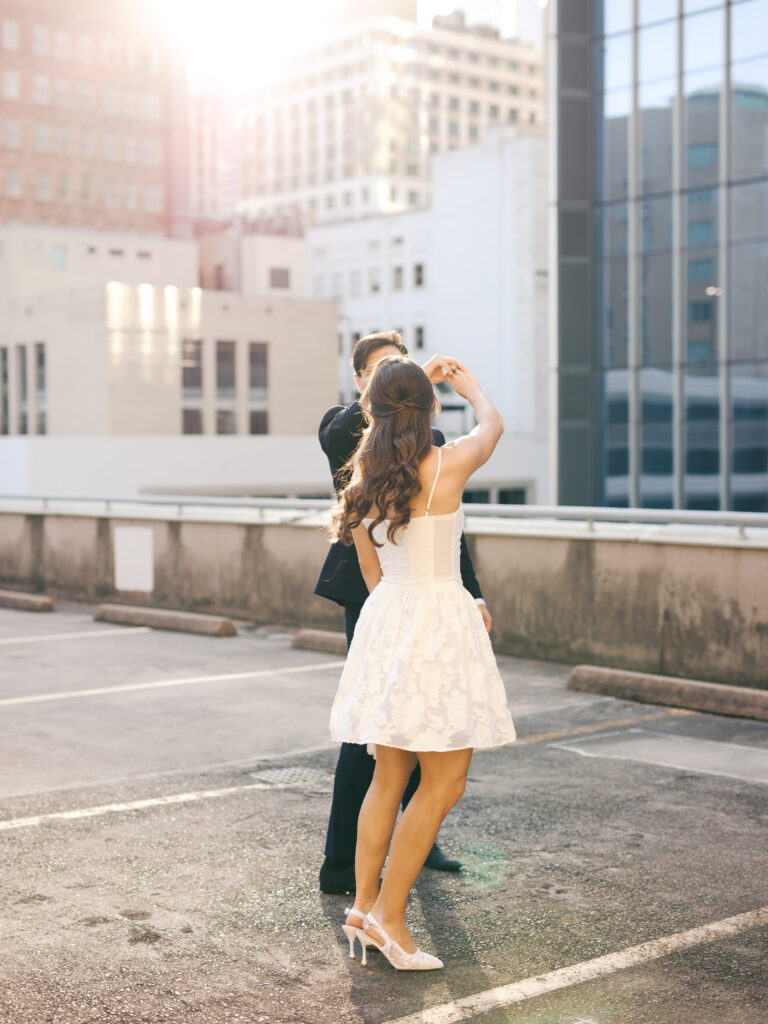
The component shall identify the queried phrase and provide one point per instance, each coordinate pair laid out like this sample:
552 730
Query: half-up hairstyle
398 403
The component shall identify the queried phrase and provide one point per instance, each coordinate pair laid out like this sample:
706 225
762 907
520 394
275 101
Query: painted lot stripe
160 683
464 1009
579 730
133 805
89 634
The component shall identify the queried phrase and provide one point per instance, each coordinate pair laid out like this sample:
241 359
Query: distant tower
372 8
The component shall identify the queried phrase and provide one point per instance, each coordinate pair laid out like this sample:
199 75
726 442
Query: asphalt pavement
163 803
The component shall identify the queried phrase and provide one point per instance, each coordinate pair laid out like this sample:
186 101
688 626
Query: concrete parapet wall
691 602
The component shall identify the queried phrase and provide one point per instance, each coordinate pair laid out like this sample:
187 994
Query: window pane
702 440
657 10
618 16
225 421
613 124
658 51
749 481
191 421
258 423
702 111
257 362
749 118
656 309
749 301
749 29
617 52
192 368
749 210
656 439
225 369
703 36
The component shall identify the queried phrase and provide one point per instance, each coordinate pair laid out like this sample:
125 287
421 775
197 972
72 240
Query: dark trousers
354 771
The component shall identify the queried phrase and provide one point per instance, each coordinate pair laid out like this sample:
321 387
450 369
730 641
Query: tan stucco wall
695 610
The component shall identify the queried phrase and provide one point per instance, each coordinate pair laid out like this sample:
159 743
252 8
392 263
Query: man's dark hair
370 343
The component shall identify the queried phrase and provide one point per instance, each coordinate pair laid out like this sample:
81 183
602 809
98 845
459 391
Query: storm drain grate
310 780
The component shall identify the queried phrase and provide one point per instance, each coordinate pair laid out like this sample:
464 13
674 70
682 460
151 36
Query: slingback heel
353 933
397 956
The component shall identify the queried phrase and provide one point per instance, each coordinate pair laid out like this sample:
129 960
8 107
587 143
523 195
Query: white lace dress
421 674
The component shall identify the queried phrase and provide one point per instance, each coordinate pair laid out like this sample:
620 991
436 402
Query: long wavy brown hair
398 403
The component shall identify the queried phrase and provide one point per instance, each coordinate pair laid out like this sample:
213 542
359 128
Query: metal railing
306 506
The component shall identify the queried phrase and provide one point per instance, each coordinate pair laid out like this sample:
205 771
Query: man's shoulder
330 415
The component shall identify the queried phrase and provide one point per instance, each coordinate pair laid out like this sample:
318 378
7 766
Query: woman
420 682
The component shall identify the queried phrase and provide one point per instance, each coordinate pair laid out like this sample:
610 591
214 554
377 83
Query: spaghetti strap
434 482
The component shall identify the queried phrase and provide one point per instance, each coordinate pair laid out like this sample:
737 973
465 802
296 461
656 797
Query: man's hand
439 368
486 615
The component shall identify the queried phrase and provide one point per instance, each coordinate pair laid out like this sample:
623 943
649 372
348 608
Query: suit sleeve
468 577
340 427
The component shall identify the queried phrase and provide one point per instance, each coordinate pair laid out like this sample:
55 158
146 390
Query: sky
231 43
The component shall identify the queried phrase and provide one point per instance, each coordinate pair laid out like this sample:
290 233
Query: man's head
371 350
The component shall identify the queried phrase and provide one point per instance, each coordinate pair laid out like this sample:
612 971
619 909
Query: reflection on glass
656 438
703 37
615 136
656 103
656 10
615 437
749 210
748 335
617 62
749 395
618 16
656 224
658 51
749 29
701 118
749 119
690 6
656 309
702 439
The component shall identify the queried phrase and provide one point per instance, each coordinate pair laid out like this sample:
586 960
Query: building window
413 198
258 422
12 134
130 196
10 34
699 351
258 369
493 112
42 138
61 45
21 365
279 277
418 275
12 183
61 92
61 140
111 197
41 427
192 369
62 187
700 232
4 423
702 154
225 421
453 129
58 257
397 278
40 41
418 336
701 270
356 282
374 279
191 421
225 369
473 132
41 89
42 187
110 147
699 312
11 88
392 194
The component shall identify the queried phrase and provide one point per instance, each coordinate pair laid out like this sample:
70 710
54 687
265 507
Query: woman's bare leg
376 822
443 778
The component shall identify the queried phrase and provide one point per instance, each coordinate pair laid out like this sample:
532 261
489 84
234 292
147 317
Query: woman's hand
439 368
464 382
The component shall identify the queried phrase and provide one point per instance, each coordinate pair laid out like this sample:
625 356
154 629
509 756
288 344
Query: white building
351 127
467 278
122 359
38 259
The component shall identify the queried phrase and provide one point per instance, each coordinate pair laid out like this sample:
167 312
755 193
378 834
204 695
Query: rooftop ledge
648 526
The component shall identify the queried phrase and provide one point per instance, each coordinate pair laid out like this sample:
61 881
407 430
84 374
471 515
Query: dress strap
434 482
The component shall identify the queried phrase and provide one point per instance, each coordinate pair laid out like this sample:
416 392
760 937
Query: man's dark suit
342 581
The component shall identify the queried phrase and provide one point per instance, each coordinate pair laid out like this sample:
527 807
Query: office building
660 269
93 118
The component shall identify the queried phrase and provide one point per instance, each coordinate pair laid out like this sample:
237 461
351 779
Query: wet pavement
163 802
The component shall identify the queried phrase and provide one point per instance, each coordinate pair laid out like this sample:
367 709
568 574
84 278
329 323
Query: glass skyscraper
660 122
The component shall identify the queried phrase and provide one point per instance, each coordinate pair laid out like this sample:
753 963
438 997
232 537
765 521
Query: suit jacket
341 579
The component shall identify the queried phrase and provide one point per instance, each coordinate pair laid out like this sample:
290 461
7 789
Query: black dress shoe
439 862
337 877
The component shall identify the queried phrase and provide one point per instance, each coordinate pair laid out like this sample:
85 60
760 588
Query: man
342 581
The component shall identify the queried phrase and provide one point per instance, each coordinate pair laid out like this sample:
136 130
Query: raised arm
475 448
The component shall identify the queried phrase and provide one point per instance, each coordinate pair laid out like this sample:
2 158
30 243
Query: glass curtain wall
680 253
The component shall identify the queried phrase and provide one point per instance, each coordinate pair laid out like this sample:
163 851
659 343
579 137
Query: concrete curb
159 618
25 602
324 640
718 698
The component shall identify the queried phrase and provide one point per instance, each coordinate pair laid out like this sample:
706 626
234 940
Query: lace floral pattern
421 674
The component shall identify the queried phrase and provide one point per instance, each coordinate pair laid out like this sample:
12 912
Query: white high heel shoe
353 933
400 960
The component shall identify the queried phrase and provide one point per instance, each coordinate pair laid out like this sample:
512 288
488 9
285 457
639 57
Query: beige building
142 359
93 118
350 128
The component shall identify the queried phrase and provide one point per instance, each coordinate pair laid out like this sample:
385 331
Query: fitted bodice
427 550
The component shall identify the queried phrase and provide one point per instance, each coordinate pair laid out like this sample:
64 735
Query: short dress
421 674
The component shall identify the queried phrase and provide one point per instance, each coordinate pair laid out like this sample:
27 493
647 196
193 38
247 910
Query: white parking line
464 1009
159 683
133 805
89 634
